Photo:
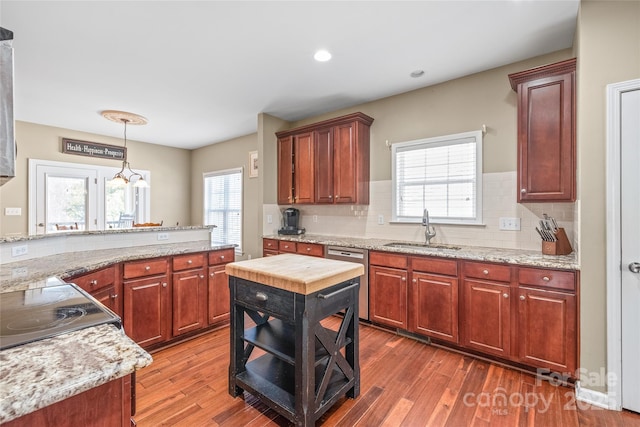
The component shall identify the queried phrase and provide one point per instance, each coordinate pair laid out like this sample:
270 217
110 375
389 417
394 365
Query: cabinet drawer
500 273
97 279
274 301
184 262
435 265
284 246
387 259
148 267
547 278
310 249
222 257
270 244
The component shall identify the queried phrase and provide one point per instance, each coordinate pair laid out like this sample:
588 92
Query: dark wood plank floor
403 383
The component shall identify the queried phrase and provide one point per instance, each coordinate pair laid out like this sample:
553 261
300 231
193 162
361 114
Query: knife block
559 247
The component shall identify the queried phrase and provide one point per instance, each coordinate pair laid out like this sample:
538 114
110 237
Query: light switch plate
13 211
163 236
512 224
381 219
19 250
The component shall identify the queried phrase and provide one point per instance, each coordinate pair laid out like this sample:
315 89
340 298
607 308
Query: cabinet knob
189 262
522 297
211 274
202 276
546 278
523 191
114 296
308 249
337 197
331 197
261 296
404 279
221 256
164 284
485 272
414 281
93 282
506 295
147 268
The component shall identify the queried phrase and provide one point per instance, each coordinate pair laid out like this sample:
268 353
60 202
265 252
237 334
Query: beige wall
608 52
456 106
228 155
170 196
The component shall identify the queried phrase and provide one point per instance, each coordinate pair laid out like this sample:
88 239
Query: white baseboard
597 398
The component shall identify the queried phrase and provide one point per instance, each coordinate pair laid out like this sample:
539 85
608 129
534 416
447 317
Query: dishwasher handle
345 253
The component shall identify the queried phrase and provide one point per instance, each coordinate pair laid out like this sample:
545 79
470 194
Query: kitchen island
305 368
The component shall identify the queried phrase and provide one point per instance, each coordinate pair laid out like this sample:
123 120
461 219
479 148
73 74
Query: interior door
630 250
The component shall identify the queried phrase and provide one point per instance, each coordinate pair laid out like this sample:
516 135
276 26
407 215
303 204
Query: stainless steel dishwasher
359 256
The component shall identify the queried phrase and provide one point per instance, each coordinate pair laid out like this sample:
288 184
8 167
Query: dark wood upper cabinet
325 162
546 132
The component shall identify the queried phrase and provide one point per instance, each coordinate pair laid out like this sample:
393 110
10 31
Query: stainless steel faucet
429 232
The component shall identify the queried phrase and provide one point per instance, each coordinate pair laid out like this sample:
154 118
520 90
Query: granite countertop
295 273
474 253
33 273
26 237
44 372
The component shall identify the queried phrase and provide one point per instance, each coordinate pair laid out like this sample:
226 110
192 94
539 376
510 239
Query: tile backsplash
499 200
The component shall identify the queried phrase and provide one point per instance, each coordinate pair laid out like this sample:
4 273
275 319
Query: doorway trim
613 226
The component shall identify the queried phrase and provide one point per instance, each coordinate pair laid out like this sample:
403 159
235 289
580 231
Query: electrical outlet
163 236
315 218
19 250
269 219
381 219
510 224
13 211
19 272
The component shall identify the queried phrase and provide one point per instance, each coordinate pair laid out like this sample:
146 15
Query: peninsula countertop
295 273
34 272
44 372
524 257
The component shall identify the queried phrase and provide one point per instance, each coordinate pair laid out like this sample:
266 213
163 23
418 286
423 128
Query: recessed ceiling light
322 56
417 73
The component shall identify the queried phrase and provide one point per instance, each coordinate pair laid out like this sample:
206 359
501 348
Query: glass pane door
66 206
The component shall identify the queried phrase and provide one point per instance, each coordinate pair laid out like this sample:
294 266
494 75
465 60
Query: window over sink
441 174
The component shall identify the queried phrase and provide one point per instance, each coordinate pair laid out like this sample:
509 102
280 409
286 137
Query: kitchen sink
422 246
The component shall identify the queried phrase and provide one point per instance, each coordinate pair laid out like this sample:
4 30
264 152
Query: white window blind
223 206
442 175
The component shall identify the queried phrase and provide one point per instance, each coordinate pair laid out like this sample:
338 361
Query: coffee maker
290 220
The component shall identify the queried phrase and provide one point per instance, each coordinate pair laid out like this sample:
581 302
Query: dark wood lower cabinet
434 306
189 301
147 310
107 405
388 296
547 329
487 317
218 283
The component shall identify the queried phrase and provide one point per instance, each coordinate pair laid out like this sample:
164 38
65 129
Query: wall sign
93 149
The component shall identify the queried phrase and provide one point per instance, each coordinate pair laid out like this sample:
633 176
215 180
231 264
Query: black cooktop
35 314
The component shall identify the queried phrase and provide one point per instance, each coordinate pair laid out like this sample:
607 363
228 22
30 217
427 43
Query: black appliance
35 314
290 219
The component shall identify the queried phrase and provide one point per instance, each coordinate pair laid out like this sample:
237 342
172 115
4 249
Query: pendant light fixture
121 177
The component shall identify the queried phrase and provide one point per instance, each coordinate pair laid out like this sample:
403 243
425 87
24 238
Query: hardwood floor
403 383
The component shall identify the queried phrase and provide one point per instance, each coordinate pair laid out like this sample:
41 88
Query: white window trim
238 249
440 140
103 172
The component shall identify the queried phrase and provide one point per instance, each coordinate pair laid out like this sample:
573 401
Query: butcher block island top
295 273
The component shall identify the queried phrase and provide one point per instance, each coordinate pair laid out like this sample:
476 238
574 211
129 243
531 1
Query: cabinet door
547 335
324 165
147 310
487 320
218 295
110 297
546 139
344 160
434 306
388 296
189 301
285 170
303 173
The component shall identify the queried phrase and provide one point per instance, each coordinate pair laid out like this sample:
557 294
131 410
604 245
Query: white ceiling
201 71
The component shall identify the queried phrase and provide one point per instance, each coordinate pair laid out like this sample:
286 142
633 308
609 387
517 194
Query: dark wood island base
303 368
